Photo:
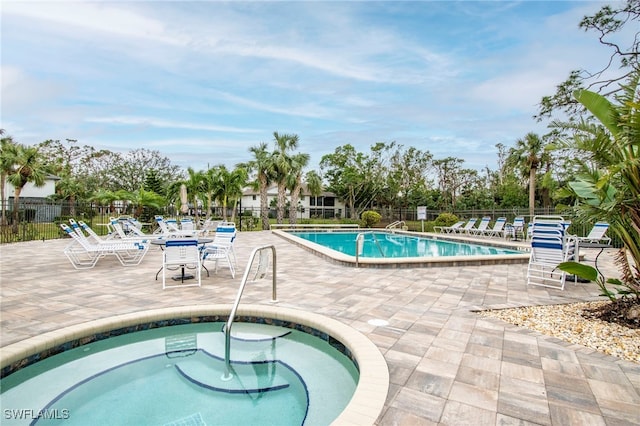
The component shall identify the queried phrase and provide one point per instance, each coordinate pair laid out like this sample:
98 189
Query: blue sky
203 81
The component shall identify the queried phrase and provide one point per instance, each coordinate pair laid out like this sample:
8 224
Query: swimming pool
280 369
404 249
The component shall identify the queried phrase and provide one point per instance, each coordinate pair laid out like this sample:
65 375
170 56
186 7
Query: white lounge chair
481 228
449 229
550 246
465 229
498 228
597 235
169 228
84 254
547 252
181 254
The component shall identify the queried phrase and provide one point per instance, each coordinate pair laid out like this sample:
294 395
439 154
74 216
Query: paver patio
447 364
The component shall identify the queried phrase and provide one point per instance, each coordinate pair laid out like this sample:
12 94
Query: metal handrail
360 244
227 330
395 224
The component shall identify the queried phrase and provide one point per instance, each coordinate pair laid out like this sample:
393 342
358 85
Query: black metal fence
40 220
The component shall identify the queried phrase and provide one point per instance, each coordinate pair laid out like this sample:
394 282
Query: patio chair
498 228
514 228
448 229
93 235
84 254
597 235
216 254
181 254
224 237
481 228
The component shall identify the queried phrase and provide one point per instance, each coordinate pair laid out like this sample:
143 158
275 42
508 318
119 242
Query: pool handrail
360 244
274 299
401 224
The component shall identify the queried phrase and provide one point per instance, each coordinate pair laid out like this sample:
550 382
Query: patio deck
447 364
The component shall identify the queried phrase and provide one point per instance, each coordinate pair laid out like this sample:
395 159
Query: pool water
173 376
391 245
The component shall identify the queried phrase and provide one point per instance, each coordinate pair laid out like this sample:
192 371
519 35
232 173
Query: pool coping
364 407
412 262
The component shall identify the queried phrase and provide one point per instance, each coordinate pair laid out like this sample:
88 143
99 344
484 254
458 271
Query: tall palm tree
8 153
526 156
297 164
28 168
69 188
262 164
284 144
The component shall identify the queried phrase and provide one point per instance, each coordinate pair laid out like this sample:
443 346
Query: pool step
255 332
248 377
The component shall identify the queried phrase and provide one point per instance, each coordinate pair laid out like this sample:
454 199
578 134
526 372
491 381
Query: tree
607 23
298 163
128 171
8 153
262 166
231 186
140 199
526 157
608 186
281 165
28 168
314 184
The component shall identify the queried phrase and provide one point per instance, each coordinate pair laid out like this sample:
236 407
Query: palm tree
210 187
298 163
141 199
314 184
8 153
608 186
282 167
28 168
231 185
526 156
69 188
104 198
195 188
262 164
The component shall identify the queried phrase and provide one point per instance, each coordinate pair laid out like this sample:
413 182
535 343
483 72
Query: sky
203 81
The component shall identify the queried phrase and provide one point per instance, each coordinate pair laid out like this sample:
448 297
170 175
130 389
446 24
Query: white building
326 205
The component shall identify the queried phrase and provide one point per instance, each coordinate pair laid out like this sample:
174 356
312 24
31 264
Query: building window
254 198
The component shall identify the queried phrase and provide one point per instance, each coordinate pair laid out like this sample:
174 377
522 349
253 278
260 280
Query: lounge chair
547 252
465 229
482 226
597 235
449 229
550 246
181 254
169 228
498 228
84 254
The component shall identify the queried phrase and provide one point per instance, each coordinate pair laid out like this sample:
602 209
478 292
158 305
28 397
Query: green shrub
445 219
369 219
